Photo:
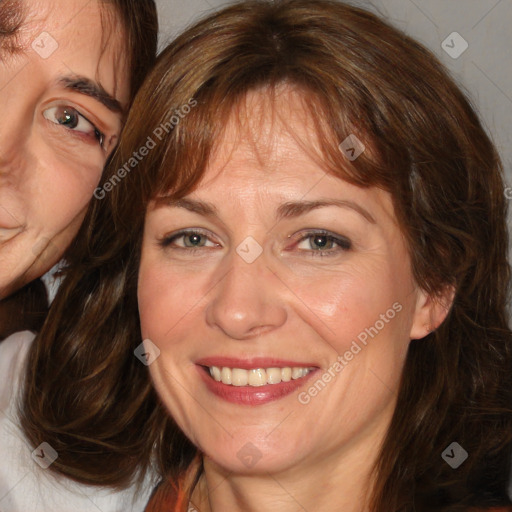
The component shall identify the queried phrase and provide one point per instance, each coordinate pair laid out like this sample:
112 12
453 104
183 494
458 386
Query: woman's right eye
188 240
72 119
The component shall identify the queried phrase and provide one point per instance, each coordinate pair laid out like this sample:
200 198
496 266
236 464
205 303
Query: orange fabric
173 496
168 497
493 509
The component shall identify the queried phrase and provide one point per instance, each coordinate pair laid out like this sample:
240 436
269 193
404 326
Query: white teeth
286 374
215 373
257 376
239 377
274 375
296 373
226 375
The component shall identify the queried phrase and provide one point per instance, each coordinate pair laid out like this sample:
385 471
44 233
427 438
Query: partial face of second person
271 263
63 88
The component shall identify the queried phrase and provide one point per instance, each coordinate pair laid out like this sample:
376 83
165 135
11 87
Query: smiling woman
328 221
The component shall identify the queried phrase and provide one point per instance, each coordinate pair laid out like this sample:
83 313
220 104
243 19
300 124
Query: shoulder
14 348
13 353
26 481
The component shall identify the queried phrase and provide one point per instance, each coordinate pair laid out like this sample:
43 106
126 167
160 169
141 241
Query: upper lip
253 362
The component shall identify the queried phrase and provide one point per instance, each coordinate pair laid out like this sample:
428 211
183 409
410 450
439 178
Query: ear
430 312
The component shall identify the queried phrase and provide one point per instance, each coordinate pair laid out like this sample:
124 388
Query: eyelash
66 109
168 240
343 243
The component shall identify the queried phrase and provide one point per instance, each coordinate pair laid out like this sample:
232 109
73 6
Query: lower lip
252 395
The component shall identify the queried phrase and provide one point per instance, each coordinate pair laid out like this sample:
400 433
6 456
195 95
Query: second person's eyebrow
84 85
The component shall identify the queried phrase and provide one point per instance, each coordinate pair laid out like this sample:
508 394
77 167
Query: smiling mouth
257 376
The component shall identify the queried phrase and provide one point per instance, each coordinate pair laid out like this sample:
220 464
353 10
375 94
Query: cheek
171 295
341 305
61 189
149 299
164 298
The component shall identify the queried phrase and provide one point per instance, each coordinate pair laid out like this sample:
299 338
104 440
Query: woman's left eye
73 120
322 242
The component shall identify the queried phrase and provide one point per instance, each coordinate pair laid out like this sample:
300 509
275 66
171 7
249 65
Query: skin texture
291 303
50 168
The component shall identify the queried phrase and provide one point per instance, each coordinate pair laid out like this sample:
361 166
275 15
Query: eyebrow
297 208
12 17
192 205
287 210
88 87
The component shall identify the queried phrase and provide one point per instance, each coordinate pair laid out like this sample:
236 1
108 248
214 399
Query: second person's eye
73 120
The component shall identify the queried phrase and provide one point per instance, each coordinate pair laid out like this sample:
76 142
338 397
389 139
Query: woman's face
63 88
273 264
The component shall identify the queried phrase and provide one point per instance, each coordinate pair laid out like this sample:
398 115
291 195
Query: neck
329 484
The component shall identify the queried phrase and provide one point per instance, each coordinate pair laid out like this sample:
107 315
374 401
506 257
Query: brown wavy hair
27 308
90 397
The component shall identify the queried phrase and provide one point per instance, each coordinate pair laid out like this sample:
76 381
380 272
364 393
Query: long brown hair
90 397
28 307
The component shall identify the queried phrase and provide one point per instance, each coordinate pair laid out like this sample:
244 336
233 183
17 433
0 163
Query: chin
247 456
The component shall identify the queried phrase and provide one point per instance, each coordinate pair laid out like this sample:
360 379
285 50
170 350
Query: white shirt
51 281
24 485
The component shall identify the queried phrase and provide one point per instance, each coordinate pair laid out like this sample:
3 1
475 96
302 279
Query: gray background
484 70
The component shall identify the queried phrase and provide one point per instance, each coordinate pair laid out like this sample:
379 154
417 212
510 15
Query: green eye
188 240
323 242
194 240
70 118
319 242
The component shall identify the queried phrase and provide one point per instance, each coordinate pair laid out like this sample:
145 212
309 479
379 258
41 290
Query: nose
248 301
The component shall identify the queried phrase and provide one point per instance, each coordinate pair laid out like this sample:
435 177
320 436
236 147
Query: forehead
267 129
270 148
62 37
